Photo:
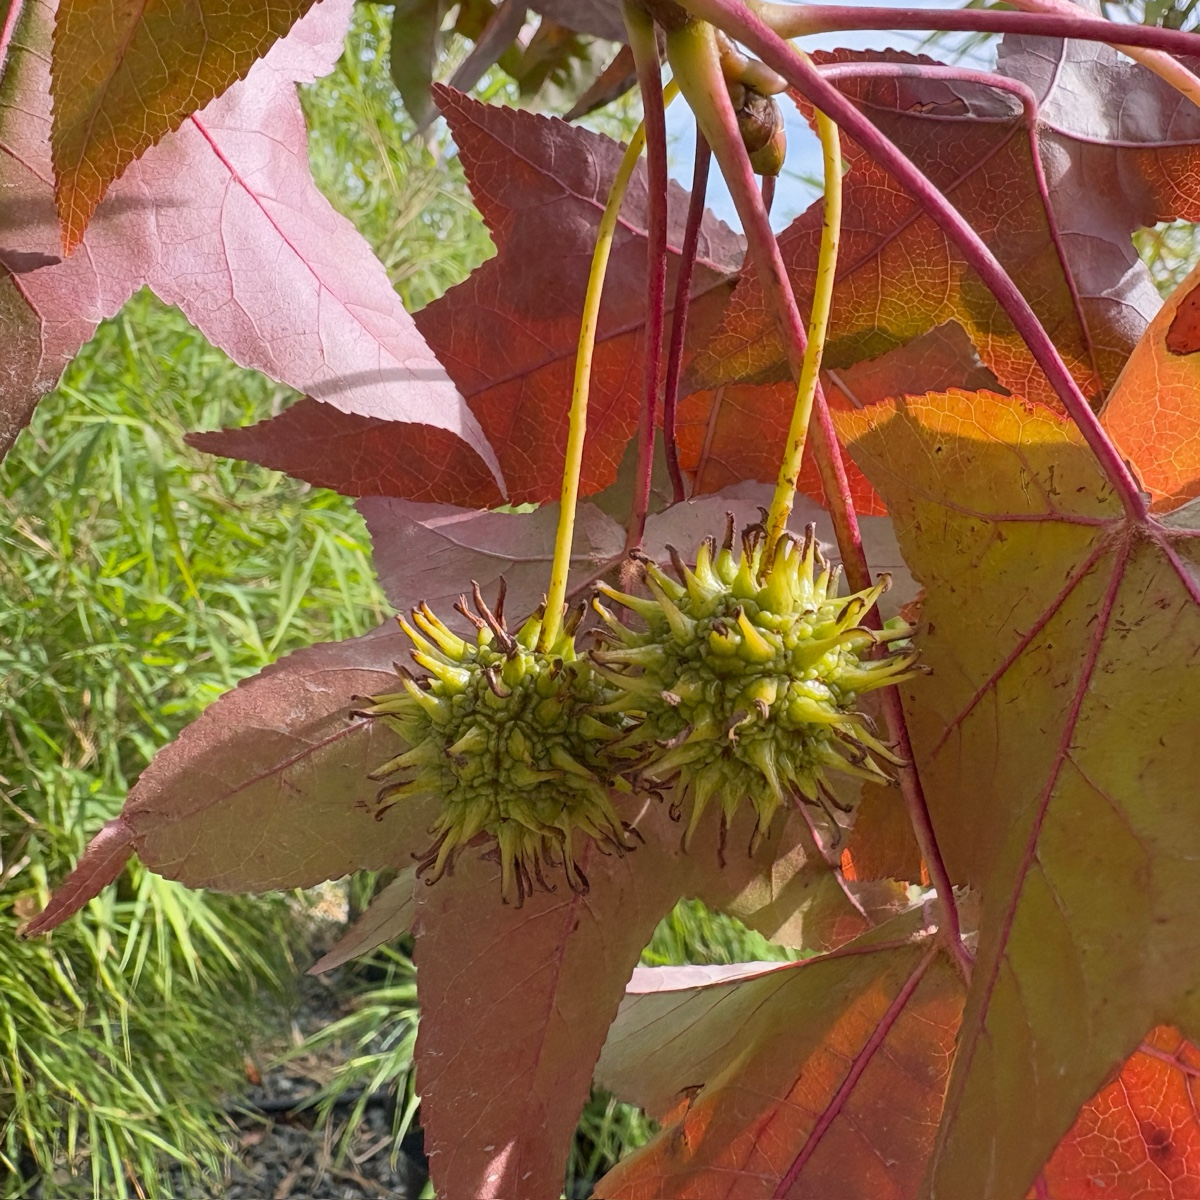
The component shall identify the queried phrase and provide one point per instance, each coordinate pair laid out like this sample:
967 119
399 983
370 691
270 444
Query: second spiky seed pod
745 679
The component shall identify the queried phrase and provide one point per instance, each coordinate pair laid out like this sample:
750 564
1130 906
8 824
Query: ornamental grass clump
744 681
507 734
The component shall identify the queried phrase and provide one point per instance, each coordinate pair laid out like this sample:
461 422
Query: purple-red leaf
222 218
268 789
508 335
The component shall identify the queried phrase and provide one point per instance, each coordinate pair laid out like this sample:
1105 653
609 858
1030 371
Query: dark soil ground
282 1151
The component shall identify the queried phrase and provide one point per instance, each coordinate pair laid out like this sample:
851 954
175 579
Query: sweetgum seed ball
507 736
743 680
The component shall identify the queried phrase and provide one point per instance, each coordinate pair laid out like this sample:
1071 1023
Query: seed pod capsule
511 739
744 681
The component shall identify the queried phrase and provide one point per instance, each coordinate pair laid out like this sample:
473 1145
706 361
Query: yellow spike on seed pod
512 739
743 683
755 647
448 641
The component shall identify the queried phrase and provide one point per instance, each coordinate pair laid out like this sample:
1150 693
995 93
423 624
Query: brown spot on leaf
1183 336
1158 1141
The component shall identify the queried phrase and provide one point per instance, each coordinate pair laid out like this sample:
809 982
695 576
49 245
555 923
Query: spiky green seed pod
508 737
744 681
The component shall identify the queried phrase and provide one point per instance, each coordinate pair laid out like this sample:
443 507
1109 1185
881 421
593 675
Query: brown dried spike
730 531
501 592
498 689
497 627
574 618
460 606
678 564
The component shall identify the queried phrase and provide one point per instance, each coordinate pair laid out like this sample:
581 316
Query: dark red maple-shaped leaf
508 335
899 275
221 217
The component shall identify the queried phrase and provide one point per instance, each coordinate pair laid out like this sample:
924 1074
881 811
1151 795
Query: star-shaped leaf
221 217
1056 742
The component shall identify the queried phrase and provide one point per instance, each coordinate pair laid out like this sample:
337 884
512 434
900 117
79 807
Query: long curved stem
738 21
679 315
818 326
692 53
644 43
577 419
798 20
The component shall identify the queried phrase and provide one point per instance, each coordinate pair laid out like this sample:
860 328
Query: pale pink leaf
222 217
646 981
432 552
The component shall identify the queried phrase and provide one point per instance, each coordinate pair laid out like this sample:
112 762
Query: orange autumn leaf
1153 413
1140 1136
1056 741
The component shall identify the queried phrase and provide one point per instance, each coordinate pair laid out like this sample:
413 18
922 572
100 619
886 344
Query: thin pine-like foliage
138 581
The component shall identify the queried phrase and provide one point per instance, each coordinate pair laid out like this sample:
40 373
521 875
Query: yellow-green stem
789 469
556 595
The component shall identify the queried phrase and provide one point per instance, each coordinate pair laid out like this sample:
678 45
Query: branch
679 315
644 44
798 20
1169 69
